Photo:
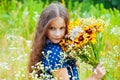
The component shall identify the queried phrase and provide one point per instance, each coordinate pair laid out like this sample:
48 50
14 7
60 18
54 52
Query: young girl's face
56 30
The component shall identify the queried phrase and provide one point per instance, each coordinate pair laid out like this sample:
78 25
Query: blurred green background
18 19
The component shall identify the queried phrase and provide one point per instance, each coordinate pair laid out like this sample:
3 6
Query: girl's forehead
57 22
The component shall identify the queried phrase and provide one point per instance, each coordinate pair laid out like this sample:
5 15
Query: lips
57 38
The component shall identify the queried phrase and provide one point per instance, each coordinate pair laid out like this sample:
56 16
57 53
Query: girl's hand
98 72
77 64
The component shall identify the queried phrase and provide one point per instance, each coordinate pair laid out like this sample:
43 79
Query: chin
56 42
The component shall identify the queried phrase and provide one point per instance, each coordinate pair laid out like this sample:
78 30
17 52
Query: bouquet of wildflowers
82 40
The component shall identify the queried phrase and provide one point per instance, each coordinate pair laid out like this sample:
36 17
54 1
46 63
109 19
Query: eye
51 28
62 28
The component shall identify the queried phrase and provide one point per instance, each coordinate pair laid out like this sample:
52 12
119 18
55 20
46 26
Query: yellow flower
70 42
73 24
93 40
100 29
80 40
91 34
98 25
63 45
78 22
89 31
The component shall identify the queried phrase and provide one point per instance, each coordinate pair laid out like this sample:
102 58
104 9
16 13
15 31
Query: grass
17 25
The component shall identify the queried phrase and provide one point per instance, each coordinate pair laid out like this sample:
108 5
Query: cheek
63 32
49 33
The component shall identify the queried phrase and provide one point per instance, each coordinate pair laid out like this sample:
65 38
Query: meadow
17 26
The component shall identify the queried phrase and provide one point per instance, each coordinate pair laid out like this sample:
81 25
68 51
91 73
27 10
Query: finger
103 68
100 64
103 71
95 71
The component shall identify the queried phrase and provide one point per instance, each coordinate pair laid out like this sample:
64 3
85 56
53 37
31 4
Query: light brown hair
48 14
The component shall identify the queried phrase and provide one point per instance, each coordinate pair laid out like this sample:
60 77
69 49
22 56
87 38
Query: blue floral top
53 59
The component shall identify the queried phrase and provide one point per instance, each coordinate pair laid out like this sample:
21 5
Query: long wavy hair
48 14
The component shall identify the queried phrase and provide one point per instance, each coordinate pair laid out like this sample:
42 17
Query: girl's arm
99 72
61 74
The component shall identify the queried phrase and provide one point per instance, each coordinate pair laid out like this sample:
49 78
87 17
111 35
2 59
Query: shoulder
53 48
52 52
53 57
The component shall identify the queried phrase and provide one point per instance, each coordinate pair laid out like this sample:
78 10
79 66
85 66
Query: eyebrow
54 26
63 26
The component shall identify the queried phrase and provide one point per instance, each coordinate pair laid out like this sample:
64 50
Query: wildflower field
18 21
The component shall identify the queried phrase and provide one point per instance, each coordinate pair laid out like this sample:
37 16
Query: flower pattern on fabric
53 60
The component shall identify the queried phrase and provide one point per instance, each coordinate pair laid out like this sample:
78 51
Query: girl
51 29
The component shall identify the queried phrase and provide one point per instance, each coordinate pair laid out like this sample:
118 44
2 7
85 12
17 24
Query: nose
57 33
